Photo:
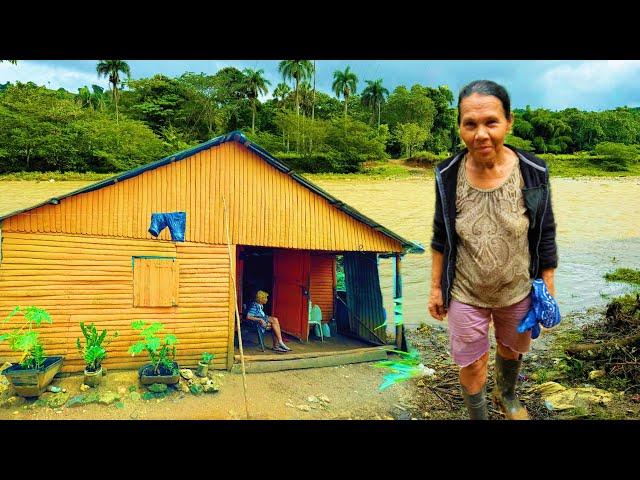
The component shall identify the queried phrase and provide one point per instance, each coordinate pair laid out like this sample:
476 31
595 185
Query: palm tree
255 84
305 97
13 62
112 69
281 91
344 83
374 95
299 70
91 99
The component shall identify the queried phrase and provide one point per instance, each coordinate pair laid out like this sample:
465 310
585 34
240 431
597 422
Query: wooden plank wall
81 278
266 207
323 282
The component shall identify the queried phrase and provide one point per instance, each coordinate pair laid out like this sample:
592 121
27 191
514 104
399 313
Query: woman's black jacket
537 198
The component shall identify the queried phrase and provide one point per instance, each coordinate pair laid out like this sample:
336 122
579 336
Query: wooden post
397 302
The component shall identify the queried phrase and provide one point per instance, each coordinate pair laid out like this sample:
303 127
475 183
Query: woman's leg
275 325
473 377
469 339
511 346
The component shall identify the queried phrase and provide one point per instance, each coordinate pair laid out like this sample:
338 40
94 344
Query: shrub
93 351
425 159
25 339
161 351
314 163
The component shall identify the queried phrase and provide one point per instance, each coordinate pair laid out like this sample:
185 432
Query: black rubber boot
476 404
504 390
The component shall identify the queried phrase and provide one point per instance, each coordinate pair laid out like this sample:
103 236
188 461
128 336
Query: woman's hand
436 304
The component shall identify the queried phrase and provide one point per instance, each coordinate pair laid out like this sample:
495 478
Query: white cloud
587 83
49 76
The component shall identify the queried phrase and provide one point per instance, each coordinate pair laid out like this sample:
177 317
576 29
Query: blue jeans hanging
176 221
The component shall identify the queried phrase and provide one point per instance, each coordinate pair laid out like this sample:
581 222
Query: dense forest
138 121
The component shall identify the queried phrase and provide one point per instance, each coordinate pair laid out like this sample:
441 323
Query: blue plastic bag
544 310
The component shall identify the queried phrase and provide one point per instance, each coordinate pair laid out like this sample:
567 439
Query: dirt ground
347 392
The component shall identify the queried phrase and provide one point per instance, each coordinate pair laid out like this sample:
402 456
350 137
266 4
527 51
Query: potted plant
34 371
203 364
161 351
93 352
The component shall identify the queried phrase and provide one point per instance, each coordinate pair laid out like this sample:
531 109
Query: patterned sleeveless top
492 266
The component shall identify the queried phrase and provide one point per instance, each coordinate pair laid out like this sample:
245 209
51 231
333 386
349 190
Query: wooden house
88 256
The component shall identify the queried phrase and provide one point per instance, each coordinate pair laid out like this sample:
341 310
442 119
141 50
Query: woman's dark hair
486 87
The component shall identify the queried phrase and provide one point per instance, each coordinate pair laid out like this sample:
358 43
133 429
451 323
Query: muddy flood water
598 231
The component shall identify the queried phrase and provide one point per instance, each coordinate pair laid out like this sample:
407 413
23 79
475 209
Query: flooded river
598 231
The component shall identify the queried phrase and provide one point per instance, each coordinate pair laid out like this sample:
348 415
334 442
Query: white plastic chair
315 318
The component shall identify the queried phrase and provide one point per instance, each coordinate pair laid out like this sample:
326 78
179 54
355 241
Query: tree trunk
346 99
378 116
253 118
313 101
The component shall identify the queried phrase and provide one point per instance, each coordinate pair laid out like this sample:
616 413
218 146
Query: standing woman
493 232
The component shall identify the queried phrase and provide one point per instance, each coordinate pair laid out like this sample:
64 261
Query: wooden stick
235 303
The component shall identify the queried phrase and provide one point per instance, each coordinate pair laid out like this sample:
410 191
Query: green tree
37 128
112 70
298 70
444 133
93 99
160 101
518 142
281 92
204 106
344 83
585 127
232 98
374 95
353 142
255 84
409 106
411 136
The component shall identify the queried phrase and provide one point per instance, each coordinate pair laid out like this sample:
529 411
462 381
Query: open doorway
257 274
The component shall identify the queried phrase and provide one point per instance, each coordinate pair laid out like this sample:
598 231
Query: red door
290 291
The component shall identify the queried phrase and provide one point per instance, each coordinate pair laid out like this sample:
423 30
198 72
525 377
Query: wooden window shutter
155 282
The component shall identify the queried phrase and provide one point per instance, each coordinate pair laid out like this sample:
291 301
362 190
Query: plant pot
32 382
203 369
147 377
93 379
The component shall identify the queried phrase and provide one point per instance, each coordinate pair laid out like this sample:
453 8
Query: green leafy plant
206 358
93 351
161 351
25 338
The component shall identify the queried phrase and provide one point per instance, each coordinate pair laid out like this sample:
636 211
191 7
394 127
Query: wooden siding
266 206
90 279
323 281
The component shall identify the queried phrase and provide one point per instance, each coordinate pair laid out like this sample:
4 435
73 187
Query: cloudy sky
552 84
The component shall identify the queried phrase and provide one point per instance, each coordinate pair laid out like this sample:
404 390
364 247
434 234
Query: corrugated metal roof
236 136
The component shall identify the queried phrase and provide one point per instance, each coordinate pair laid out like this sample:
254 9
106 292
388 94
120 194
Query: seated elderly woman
256 313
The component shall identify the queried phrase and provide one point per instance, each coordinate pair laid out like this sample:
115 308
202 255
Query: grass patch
580 165
57 176
628 275
381 170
